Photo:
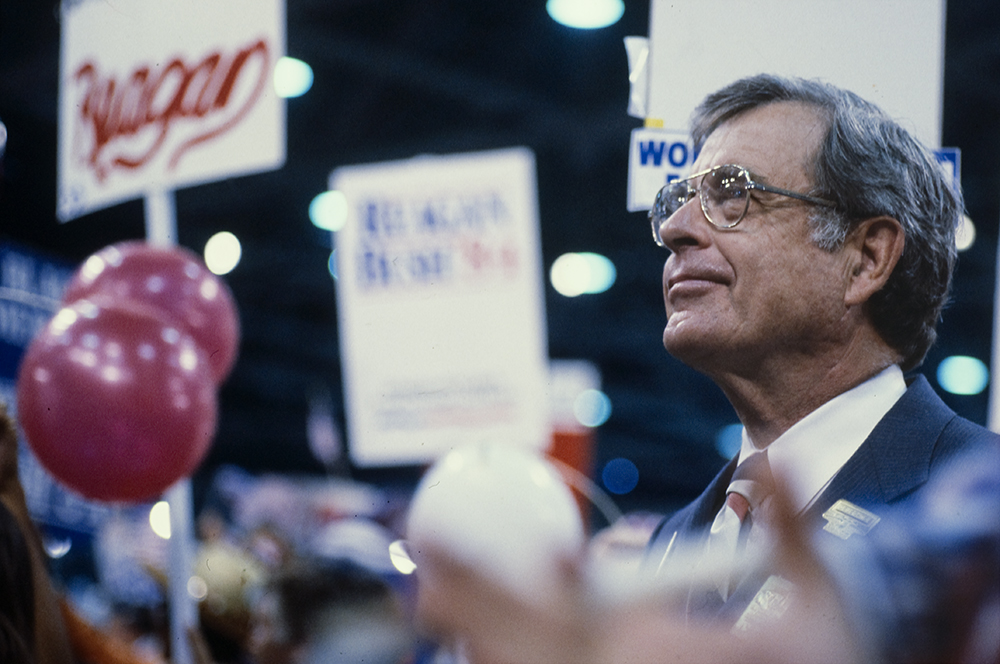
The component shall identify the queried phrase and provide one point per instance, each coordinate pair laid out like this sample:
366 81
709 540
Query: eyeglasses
724 193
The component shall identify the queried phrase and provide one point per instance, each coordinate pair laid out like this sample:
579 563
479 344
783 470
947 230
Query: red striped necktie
751 484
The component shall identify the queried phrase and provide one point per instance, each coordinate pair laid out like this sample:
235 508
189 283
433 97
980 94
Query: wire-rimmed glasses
724 193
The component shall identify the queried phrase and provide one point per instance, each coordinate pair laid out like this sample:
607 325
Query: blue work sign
656 156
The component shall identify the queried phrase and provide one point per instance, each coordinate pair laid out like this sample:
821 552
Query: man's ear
875 246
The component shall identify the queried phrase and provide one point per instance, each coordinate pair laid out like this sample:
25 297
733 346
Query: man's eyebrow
763 180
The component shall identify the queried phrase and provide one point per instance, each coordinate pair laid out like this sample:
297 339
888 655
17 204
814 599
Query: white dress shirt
814 449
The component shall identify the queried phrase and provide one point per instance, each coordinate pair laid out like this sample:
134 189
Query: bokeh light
292 77
400 558
592 408
331 264
328 210
728 440
57 547
585 14
574 274
961 374
620 476
966 235
197 588
159 519
223 253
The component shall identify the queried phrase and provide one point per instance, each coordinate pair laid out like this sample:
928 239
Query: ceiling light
292 78
585 14
961 374
574 274
569 275
592 408
966 234
602 272
159 519
329 210
222 253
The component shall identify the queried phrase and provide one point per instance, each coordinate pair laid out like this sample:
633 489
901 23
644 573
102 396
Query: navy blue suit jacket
917 436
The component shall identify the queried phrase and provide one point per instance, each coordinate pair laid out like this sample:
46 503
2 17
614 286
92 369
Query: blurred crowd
298 571
286 570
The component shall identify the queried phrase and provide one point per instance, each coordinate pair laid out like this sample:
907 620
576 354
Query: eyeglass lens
723 194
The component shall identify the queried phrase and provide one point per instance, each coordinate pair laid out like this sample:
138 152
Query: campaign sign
656 157
440 306
30 289
951 161
890 52
159 95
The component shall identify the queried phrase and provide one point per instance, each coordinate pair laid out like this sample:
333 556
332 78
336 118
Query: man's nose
687 227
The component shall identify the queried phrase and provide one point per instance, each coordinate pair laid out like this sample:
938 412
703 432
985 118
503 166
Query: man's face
756 296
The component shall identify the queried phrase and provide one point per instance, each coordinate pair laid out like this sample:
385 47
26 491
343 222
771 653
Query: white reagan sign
440 304
159 95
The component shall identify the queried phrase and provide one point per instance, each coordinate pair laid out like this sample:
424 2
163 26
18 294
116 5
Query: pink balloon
174 280
116 400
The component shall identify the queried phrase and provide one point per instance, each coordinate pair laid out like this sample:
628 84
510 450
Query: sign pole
161 230
161 218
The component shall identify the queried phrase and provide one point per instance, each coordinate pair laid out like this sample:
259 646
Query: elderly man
810 257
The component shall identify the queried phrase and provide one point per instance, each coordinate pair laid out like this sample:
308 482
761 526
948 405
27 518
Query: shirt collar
814 449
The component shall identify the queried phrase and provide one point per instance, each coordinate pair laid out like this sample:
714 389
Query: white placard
891 52
440 305
159 95
656 157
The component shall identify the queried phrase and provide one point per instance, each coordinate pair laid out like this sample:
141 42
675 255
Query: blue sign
951 159
656 157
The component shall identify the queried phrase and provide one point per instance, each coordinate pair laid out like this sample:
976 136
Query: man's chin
688 342
683 346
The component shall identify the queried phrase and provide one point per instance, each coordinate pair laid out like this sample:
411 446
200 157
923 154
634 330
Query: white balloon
502 510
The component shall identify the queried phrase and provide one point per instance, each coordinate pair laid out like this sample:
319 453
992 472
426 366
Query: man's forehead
776 141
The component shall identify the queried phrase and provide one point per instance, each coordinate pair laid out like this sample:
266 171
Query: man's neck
772 399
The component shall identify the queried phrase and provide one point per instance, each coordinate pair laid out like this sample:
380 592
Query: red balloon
172 279
116 400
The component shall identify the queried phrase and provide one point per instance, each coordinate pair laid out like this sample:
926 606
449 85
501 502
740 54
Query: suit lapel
896 456
893 461
691 522
711 499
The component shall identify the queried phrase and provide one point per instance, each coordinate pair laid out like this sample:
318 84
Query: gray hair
869 166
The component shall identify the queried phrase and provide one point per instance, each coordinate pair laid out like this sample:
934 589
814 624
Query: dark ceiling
399 78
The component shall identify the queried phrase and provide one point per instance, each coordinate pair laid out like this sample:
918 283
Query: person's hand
465 609
468 611
486 623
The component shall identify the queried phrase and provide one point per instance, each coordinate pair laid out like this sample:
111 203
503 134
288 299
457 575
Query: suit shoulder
961 435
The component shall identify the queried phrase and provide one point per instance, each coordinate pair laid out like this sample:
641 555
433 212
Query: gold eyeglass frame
658 213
